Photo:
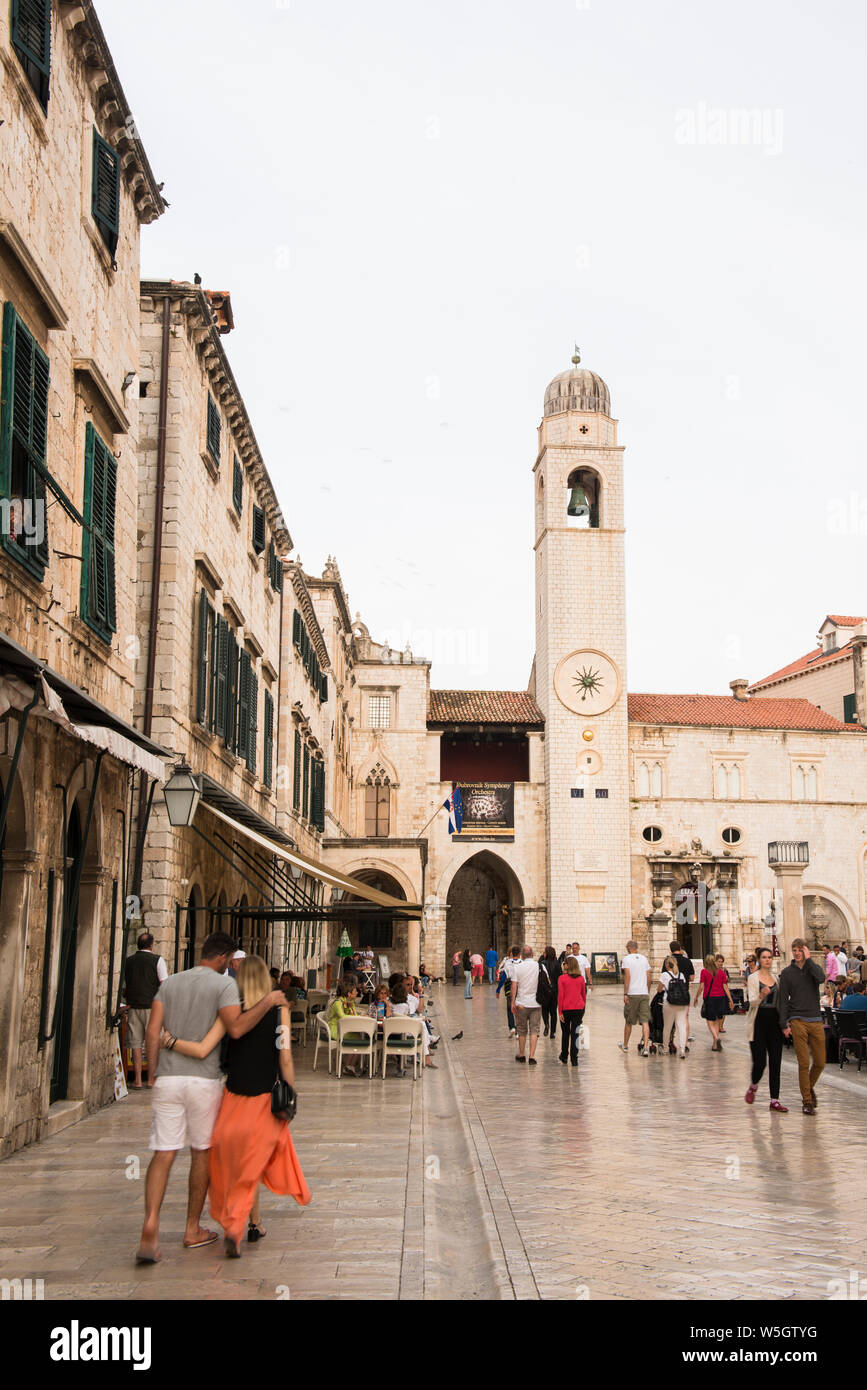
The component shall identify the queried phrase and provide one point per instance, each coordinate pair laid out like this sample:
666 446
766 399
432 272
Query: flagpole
427 822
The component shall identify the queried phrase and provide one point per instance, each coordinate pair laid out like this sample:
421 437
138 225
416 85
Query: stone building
76 190
212 541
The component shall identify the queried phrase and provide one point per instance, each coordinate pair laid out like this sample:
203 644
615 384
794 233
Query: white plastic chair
364 1031
323 1033
402 1038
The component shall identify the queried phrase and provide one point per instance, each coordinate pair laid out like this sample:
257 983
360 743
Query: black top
684 964
798 991
253 1061
140 979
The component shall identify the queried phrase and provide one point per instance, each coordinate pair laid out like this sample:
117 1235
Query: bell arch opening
584 499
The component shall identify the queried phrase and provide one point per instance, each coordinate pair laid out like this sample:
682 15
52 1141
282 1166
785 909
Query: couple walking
235 1140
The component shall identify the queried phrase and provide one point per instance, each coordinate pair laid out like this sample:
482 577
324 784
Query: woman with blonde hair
250 1144
675 1003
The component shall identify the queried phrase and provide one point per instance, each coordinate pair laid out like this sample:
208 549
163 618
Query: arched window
656 779
377 804
728 781
800 783
643 779
583 498
811 780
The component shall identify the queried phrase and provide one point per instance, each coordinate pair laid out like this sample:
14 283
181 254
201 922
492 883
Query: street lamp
296 871
182 794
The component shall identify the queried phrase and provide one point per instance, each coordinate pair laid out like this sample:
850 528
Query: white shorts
185 1110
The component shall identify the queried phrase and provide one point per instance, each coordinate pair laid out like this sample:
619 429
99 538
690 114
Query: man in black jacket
801 1018
143 974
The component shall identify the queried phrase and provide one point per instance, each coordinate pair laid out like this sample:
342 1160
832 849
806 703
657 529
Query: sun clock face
587 682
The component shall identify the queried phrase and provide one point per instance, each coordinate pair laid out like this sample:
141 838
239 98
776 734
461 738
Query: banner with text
489 811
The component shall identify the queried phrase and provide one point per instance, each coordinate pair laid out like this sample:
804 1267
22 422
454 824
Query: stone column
413 946
435 938
18 869
659 934
790 906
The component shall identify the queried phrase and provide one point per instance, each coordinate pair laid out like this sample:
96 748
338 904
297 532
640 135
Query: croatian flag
454 806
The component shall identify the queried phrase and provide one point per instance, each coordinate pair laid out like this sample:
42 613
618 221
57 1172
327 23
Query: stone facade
67 293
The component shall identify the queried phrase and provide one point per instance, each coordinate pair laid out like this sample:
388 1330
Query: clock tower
580 669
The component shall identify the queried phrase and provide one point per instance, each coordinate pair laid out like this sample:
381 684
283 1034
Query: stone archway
481 889
384 935
17 870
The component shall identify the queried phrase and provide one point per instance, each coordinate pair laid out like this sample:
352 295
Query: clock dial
587 682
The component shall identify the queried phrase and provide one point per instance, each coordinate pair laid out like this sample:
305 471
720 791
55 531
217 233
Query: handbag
544 988
284 1100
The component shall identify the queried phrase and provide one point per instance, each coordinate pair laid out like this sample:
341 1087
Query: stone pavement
629 1178
622 1178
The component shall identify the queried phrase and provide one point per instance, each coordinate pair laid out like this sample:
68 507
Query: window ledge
207 460
254 559
86 367
54 313
82 631
104 256
28 97
233 517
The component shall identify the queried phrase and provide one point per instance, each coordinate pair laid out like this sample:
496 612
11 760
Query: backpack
544 988
678 991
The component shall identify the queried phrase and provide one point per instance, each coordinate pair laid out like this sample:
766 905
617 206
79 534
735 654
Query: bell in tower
578 504
583 502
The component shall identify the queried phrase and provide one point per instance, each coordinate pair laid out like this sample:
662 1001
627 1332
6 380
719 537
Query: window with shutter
97 556
232 678
204 645
221 664
323 690
30 33
105 197
850 710
23 446
258 530
237 486
253 718
305 800
296 775
296 628
267 738
242 726
215 429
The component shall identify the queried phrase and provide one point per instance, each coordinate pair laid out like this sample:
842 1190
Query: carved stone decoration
818 920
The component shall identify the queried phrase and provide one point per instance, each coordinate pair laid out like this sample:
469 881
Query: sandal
210 1237
255 1233
232 1248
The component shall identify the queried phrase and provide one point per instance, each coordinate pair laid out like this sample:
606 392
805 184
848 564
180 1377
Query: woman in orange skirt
249 1144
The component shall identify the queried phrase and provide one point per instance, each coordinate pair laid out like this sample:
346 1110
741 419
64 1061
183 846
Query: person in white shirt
583 962
842 960
507 969
636 997
526 1008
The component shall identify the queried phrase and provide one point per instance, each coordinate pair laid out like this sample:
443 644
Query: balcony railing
788 852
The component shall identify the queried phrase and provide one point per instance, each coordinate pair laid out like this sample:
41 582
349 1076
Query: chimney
739 688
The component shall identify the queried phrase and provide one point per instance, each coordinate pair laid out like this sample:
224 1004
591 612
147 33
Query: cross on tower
584 429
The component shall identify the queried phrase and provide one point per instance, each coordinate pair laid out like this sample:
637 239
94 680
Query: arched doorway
195 928
483 902
385 935
66 969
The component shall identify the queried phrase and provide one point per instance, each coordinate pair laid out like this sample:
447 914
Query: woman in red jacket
571 1003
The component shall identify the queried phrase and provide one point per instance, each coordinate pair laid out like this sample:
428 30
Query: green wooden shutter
215 429
97 569
221 660
258 530
323 690
296 775
305 798
850 712
231 687
253 719
296 628
268 738
242 727
30 32
202 658
24 440
317 810
105 196
237 486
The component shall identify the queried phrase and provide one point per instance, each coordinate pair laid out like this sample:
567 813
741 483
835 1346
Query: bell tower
581 662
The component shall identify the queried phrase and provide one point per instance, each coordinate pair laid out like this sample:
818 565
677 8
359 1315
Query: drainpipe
156 568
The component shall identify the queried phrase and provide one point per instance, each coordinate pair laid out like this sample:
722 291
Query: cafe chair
323 1034
298 1014
402 1038
850 1035
357 1035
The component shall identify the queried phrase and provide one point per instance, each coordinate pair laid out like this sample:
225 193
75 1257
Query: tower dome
577 389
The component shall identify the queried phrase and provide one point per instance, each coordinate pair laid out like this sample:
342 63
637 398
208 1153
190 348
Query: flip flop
232 1248
143 1258
197 1244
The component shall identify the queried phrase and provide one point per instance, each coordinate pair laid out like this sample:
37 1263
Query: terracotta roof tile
843 622
483 707
813 658
725 712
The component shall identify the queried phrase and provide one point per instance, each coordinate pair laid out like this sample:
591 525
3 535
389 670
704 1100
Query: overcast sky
417 207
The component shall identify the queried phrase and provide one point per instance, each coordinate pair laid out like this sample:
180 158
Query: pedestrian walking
526 1008
491 959
250 1144
551 966
713 986
571 1003
801 1019
143 974
636 997
507 968
687 969
832 965
188 1090
477 965
720 965
456 967
466 961
675 1004
764 1033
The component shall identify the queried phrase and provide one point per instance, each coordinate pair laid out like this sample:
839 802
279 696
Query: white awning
122 748
323 872
15 693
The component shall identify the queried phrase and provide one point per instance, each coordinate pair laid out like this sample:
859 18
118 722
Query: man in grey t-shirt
188 1091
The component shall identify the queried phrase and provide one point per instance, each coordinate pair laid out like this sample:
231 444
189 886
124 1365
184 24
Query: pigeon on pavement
458 1035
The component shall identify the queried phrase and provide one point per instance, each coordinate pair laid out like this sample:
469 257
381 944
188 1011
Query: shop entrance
66 972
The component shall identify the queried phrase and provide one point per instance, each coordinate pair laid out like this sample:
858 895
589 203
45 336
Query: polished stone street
621 1178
